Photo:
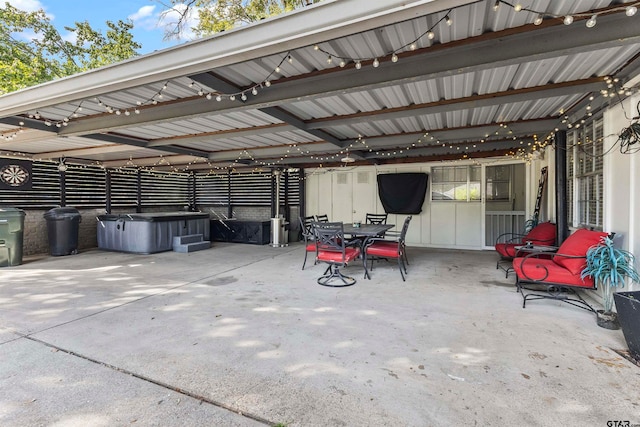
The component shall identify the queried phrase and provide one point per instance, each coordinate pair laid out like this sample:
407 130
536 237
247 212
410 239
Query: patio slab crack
202 399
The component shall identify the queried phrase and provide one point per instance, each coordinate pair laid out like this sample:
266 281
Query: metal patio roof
385 80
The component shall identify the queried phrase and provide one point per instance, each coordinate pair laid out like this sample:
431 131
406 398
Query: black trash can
63 225
11 236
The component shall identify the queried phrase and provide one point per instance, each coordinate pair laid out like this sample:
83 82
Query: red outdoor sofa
543 234
557 275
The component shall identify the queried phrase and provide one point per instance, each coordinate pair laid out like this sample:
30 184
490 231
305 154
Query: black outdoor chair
322 218
373 218
391 246
306 229
333 249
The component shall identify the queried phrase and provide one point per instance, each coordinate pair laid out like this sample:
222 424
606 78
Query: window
460 183
498 185
586 185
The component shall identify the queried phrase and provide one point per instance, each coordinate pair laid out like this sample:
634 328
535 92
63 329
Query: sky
145 15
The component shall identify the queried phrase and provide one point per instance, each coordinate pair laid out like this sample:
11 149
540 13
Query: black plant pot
628 308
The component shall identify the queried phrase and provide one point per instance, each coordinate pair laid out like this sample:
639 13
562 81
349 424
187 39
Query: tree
33 51
219 15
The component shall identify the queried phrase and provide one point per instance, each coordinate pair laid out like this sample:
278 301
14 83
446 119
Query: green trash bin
11 236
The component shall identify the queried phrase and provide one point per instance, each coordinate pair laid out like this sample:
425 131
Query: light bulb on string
448 20
538 19
568 20
376 63
431 35
591 22
517 7
394 58
358 65
631 10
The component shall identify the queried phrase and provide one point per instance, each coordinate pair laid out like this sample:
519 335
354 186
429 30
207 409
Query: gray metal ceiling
488 68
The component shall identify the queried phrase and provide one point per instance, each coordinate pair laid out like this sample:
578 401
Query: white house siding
622 180
348 193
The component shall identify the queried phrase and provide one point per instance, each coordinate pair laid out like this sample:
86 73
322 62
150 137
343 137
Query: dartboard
14 175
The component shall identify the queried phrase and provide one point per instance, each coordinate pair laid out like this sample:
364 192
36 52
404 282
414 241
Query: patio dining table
363 232
367 230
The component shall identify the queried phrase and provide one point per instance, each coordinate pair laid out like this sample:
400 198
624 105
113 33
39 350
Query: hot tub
147 233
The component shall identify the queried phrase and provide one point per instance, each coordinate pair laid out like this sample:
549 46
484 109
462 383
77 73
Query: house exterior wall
621 180
442 224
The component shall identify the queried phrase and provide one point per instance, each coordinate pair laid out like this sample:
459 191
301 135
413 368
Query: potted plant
609 267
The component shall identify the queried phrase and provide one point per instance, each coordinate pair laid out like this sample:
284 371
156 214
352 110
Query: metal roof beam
78 152
212 81
324 21
214 136
477 101
437 61
141 143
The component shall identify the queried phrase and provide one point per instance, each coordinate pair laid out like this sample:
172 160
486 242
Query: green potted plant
609 267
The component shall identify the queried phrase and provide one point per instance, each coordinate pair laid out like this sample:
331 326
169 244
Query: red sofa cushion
547 270
578 244
542 234
507 250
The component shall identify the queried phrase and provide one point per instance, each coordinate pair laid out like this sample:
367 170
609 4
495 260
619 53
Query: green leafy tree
220 15
33 51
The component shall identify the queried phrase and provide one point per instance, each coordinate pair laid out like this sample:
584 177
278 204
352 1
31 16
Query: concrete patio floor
238 335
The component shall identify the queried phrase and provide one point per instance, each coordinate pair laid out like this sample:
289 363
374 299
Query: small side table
527 249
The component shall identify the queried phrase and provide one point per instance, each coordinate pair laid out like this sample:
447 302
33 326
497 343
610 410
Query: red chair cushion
311 247
384 249
548 271
578 244
507 250
542 234
336 257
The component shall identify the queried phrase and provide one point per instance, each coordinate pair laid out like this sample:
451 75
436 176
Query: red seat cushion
384 249
332 256
542 234
507 250
311 247
578 244
547 270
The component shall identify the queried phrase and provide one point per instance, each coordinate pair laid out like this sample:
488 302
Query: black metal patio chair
333 249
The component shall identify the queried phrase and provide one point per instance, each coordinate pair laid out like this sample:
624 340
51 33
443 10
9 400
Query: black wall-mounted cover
402 193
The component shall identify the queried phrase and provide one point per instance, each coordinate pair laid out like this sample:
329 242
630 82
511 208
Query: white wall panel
469 231
342 197
620 171
443 226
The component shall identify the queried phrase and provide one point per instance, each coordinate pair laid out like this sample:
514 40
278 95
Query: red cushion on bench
578 244
547 270
542 234
507 250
